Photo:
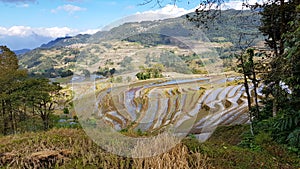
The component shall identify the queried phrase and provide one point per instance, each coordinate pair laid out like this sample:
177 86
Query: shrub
263 138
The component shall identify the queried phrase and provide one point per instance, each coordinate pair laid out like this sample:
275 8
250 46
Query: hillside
176 35
225 27
65 41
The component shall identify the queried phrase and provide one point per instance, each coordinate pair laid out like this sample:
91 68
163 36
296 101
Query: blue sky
29 23
77 14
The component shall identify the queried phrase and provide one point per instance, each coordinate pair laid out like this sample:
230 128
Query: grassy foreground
71 148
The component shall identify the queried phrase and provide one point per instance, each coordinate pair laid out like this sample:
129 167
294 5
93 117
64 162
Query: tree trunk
255 85
249 103
248 94
276 96
274 109
45 122
5 124
282 27
12 118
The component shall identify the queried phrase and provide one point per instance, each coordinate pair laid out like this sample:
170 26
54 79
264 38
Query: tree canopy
23 98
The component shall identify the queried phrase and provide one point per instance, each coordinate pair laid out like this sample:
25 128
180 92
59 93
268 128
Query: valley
219 91
151 77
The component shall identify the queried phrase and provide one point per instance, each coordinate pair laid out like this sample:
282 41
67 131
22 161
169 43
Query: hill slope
64 54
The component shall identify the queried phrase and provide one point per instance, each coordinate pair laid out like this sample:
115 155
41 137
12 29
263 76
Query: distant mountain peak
21 51
66 41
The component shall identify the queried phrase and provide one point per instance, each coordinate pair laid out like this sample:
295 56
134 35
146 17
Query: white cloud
235 4
55 32
175 11
171 10
52 32
68 8
26 31
16 30
20 37
90 31
23 5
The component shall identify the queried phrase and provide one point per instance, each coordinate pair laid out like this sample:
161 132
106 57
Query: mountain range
226 28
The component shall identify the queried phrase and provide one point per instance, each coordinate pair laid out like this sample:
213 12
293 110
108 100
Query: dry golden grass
177 158
72 148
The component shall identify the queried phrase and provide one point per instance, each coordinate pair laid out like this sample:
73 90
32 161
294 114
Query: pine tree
10 77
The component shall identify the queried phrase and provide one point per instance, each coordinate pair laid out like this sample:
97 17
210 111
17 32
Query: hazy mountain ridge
62 54
224 26
21 51
65 41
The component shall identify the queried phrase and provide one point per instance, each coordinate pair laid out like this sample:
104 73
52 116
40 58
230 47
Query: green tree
46 95
288 122
291 70
276 16
152 72
41 98
10 80
245 70
86 73
22 97
66 110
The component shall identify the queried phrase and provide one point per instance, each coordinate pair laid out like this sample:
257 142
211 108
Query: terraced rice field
185 106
